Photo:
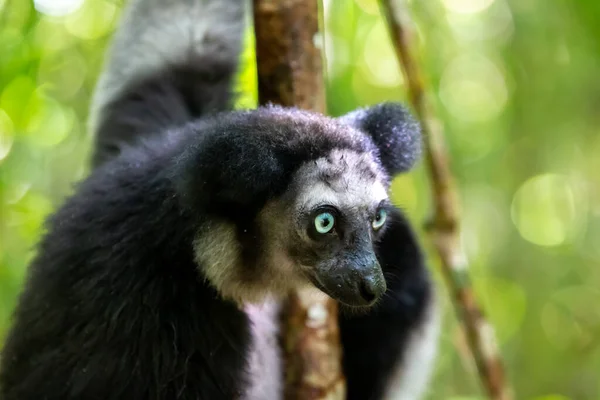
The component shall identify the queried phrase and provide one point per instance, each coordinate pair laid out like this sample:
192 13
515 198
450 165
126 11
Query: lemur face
290 198
334 212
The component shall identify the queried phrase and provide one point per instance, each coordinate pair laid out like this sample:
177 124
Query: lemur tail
170 62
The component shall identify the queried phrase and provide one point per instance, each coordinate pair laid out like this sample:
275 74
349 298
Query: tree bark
444 226
289 66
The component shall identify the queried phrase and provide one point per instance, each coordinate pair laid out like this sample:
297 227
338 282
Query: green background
516 85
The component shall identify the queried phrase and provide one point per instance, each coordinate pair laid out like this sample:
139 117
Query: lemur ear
228 170
394 131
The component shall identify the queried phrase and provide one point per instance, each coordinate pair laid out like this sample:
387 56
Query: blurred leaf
18 100
94 20
7 133
551 397
50 123
505 303
28 214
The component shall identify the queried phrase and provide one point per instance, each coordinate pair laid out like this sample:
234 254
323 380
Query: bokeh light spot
496 24
50 122
379 64
50 36
57 8
467 6
7 133
15 98
368 6
544 211
94 20
62 73
473 89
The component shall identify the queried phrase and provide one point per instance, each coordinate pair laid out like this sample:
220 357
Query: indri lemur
159 278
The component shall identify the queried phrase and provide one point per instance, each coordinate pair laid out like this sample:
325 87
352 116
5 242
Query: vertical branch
290 74
444 226
288 60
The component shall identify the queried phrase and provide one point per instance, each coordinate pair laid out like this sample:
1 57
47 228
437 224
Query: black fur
395 133
167 98
114 306
252 155
373 343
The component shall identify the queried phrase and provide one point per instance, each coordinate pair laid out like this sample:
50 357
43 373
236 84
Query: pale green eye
324 222
380 218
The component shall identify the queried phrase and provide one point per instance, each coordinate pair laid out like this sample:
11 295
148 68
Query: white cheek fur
218 254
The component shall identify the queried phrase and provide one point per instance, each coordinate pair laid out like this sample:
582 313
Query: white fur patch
353 187
409 381
218 253
265 371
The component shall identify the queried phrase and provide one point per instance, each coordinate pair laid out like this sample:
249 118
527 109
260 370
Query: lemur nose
368 290
371 288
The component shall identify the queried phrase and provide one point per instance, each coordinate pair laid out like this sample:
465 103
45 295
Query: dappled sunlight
62 74
473 88
51 123
7 133
547 211
94 20
369 6
496 24
467 6
57 8
380 66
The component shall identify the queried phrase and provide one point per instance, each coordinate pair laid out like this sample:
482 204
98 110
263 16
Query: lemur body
160 277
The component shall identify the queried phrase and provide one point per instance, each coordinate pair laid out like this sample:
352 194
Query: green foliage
516 86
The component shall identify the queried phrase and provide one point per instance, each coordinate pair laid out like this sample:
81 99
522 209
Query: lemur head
326 223
287 198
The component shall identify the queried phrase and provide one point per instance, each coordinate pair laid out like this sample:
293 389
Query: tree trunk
290 73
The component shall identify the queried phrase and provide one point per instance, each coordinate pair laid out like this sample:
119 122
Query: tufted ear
231 168
394 131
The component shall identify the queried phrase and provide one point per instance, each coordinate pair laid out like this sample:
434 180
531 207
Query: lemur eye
379 219
324 222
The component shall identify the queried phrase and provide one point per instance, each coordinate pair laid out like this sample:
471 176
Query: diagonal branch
444 226
290 74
